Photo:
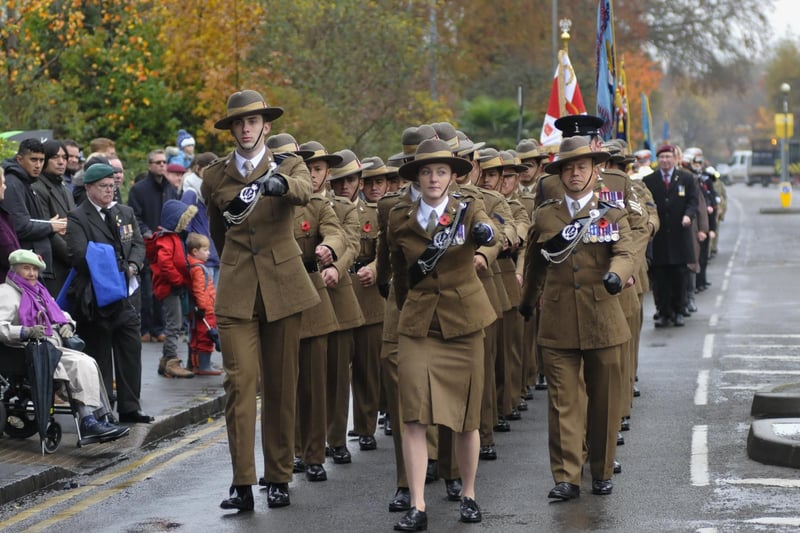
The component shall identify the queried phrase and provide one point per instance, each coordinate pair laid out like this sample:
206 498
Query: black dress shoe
662 322
502 425
470 512
401 501
341 455
541 383
602 486
367 442
636 392
684 312
414 520
617 467
514 415
488 453
135 417
298 467
352 433
387 426
432 473
620 439
316 473
277 495
678 321
564 491
453 488
691 306
625 425
241 498
529 393
523 405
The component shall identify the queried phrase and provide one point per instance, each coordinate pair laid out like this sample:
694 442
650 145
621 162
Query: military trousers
337 403
389 380
366 377
579 407
253 348
311 421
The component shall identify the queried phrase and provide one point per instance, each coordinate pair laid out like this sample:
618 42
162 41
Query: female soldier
444 309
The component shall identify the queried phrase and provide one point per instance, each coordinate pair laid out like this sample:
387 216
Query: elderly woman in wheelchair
29 313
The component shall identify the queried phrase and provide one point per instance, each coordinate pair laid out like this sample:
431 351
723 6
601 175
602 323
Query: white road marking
765 335
701 393
783 357
765 482
713 320
719 300
699 463
764 372
724 285
776 521
764 346
708 346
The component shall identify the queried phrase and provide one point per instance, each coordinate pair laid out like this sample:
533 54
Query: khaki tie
248 168
433 221
576 206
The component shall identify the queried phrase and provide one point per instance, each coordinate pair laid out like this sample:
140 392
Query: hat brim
348 173
555 166
474 148
331 159
460 166
269 114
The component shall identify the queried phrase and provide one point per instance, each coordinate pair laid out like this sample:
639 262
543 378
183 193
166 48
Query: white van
750 167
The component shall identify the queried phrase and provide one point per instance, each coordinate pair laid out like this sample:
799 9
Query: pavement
175 404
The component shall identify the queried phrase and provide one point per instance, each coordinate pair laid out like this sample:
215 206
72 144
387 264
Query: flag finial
565 25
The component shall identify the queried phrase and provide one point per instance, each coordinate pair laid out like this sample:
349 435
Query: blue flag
647 122
605 69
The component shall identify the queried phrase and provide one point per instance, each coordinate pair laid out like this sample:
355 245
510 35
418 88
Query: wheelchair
17 409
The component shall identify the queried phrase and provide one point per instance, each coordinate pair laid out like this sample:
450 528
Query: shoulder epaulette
551 201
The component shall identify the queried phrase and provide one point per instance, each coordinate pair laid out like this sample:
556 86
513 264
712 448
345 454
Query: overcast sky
785 13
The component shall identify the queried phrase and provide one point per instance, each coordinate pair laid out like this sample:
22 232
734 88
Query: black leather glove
66 331
383 289
526 310
274 186
33 333
612 283
482 233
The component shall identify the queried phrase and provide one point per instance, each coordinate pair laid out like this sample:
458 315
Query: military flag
621 104
647 124
565 99
605 69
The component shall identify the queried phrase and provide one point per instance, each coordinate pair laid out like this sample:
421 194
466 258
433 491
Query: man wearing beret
111 332
263 289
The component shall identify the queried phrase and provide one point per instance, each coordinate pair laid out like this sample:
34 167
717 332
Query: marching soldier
263 289
579 253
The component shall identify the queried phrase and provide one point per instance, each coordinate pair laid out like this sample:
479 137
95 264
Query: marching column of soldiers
443 287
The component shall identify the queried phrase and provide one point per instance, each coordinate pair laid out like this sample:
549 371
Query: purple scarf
37 307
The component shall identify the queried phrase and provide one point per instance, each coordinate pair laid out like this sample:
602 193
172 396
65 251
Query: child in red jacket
171 280
204 337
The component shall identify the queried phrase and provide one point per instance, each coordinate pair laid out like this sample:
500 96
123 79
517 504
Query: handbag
74 343
110 285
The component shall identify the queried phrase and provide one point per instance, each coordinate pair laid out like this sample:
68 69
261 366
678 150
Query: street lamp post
786 186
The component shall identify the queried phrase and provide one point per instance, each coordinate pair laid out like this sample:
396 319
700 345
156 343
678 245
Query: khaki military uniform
366 368
315 224
263 288
581 328
348 316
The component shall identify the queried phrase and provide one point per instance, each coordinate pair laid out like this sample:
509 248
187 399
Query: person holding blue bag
107 251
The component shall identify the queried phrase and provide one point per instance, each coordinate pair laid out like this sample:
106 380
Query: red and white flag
565 99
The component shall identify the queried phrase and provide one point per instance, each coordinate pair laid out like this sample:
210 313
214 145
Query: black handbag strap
440 242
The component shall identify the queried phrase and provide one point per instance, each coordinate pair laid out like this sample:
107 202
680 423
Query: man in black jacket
675 195
146 198
111 332
33 228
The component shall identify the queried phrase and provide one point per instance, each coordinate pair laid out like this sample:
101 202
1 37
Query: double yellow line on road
111 477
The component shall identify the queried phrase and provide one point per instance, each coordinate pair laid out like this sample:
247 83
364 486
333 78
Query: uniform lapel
94 217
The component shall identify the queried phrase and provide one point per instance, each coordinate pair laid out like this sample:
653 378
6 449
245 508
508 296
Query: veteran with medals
443 310
582 324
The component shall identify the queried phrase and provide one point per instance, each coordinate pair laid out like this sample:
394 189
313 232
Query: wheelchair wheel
53 437
19 426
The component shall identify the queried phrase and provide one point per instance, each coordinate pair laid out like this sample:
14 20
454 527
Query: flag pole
565 25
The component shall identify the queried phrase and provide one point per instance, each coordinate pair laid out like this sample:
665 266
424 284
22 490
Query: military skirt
441 381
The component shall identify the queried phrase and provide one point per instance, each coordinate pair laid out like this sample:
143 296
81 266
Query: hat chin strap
258 139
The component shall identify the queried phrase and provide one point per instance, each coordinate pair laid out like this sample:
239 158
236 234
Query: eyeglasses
105 186
158 162
118 170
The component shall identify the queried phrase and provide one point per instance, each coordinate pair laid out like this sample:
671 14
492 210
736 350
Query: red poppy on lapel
444 220
367 227
602 223
305 226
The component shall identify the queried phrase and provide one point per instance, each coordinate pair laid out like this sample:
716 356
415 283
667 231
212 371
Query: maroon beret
666 148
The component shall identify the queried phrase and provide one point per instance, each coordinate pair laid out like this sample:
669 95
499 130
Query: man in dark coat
146 198
33 227
675 195
111 332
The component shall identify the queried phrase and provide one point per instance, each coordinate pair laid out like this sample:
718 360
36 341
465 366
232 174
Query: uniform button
575 269
252 231
254 251
577 285
437 291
